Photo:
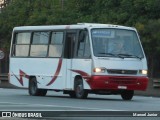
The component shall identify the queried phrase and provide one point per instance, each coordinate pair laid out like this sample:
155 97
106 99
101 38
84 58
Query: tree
151 41
142 14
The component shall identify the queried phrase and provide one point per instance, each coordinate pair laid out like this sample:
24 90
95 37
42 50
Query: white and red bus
78 59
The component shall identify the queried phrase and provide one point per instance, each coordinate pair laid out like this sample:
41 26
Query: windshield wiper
129 56
106 53
111 55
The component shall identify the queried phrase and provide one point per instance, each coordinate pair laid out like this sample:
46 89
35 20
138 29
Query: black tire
33 89
72 94
127 94
79 89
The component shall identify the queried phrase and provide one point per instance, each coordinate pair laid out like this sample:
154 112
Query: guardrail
4 82
4 77
156 83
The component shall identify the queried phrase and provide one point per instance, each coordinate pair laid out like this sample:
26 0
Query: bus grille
118 80
114 71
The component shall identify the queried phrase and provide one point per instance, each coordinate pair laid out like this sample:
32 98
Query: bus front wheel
33 88
79 89
127 94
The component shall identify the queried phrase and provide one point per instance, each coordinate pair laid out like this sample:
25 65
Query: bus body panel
43 69
82 67
37 68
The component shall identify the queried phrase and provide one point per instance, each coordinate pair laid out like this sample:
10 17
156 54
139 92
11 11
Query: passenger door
68 55
81 63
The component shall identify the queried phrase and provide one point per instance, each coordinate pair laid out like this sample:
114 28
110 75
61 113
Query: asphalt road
19 100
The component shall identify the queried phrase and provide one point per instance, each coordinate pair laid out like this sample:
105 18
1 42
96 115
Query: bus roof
73 26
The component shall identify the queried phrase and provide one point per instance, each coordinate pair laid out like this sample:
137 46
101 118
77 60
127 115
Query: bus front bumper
118 82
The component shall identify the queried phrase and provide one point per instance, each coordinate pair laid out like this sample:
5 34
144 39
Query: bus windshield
116 43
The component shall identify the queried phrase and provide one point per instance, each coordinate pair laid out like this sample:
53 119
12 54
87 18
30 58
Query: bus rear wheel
80 92
127 94
72 94
33 88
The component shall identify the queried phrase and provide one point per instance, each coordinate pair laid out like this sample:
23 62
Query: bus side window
21 43
87 52
83 45
56 45
39 44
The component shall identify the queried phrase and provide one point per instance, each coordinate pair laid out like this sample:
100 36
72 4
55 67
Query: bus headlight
144 72
99 70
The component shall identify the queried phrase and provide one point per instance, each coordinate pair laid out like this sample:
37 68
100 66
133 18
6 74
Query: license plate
122 87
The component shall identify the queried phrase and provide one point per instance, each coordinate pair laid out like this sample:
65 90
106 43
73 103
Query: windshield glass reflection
116 43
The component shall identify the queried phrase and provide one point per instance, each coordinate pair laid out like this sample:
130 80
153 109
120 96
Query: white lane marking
27 104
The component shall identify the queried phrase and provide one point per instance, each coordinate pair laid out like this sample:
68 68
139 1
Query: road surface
19 100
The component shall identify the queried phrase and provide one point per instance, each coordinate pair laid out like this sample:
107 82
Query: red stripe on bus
56 73
82 73
21 74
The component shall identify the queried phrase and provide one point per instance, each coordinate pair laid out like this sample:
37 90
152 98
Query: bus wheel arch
80 92
33 87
